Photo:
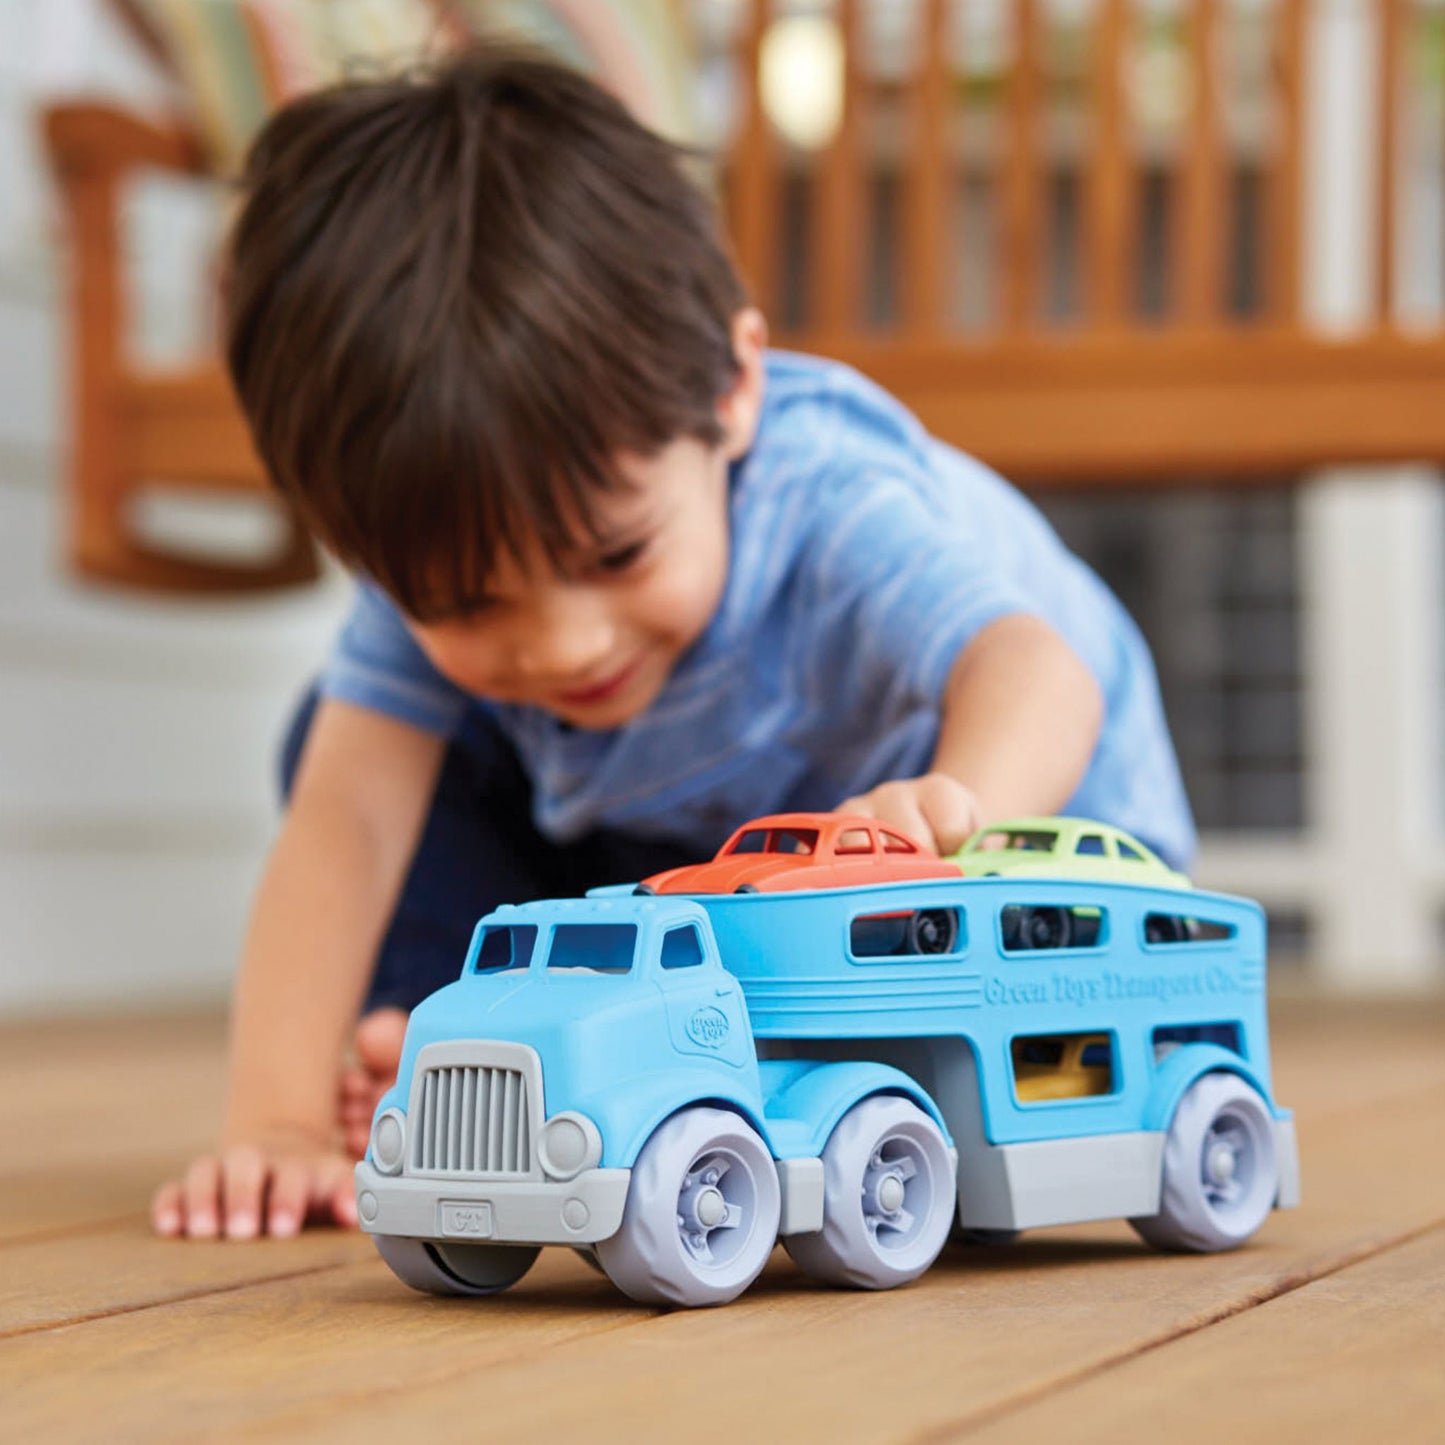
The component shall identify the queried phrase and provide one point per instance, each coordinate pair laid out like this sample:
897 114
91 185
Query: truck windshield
508 946
595 947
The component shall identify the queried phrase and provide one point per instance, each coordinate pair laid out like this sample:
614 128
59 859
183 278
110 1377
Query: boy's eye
622 558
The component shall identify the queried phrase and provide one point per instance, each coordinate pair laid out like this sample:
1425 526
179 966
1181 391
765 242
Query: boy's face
593 641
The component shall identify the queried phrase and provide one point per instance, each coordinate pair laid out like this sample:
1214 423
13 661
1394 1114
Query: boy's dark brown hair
452 299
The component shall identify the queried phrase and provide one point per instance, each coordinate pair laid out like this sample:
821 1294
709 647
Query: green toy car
1063 848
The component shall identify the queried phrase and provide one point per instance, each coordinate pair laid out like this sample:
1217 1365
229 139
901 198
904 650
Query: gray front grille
472 1120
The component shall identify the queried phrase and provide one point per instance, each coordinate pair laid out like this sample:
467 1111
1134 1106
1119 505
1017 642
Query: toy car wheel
435 1267
1037 928
746 888
933 930
1220 1172
645 890
1165 928
702 1212
888 1197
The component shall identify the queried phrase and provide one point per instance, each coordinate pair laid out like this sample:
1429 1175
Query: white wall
136 736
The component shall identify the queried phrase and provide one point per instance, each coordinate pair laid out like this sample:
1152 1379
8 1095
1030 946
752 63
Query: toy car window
1091 845
1033 841
854 840
506 947
596 947
681 948
755 840
1129 851
894 843
794 840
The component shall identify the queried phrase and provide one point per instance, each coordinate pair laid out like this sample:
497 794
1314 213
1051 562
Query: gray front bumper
503 1211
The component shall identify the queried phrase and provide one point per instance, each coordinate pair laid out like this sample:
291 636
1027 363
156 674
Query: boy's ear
739 407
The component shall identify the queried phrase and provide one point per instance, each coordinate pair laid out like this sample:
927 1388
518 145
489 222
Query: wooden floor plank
1357 1355
348 1352
103 1270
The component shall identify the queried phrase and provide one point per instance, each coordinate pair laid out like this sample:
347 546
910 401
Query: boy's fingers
287 1198
200 1198
334 1192
166 1214
244 1171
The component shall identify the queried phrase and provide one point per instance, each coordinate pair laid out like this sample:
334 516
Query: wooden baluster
1023 215
1284 196
1392 35
754 188
923 285
1109 220
839 215
1203 206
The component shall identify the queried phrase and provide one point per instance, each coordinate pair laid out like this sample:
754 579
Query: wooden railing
1104 390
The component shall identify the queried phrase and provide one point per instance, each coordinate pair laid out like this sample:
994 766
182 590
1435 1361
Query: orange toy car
806 850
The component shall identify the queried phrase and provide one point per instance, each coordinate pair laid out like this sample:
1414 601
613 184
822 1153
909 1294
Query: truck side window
681 948
506 947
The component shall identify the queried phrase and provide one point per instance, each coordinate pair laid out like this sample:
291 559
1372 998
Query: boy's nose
565 640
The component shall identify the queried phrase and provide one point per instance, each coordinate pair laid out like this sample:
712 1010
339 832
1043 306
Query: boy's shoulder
811 404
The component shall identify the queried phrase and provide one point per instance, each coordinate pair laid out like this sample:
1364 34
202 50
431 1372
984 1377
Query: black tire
933 930
1045 927
747 888
644 891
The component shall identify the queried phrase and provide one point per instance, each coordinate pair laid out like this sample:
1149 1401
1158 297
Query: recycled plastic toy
674 1084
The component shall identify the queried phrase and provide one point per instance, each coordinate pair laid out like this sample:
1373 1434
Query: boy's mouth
603 690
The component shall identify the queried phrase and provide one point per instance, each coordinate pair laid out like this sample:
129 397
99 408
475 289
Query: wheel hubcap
1225 1161
710 1207
885 1192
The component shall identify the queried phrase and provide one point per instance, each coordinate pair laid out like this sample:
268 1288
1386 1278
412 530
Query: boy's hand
936 809
255 1189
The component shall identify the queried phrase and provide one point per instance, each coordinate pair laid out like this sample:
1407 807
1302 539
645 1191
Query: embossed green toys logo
709 1027
1107 987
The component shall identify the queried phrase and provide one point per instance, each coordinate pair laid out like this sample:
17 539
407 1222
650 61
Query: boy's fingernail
203 1226
241 1226
283 1226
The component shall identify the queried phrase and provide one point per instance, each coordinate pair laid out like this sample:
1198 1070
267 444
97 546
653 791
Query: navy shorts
477 850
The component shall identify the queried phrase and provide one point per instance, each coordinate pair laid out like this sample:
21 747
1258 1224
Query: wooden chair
134 427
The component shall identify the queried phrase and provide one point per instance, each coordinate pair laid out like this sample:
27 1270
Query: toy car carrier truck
672 1084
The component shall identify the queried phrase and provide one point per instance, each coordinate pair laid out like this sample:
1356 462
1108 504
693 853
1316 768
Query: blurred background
1175 266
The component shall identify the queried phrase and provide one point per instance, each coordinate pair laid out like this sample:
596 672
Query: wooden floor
1331 1326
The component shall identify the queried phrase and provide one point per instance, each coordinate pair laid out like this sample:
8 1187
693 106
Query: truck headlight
388 1141
567 1144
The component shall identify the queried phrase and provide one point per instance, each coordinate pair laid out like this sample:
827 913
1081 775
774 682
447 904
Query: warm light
801 80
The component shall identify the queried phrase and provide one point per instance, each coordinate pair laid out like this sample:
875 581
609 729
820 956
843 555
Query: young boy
627 580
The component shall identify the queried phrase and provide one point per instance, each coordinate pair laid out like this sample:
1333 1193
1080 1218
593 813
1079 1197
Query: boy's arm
357 807
1021 716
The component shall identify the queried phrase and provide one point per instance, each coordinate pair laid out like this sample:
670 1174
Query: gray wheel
1220 1173
888 1197
702 1212
437 1267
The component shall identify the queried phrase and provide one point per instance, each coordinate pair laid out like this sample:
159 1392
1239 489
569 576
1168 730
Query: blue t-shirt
865 555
